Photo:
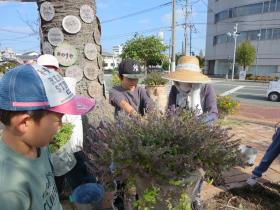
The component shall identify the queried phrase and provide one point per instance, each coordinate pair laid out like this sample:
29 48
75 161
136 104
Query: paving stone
237 178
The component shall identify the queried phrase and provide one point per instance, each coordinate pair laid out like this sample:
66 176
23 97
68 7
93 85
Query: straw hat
188 70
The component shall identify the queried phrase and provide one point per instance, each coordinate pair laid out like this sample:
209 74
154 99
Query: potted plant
164 155
157 89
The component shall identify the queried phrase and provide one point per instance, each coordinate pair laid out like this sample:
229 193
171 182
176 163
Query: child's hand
128 108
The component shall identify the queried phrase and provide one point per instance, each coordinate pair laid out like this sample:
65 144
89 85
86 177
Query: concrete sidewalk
258 114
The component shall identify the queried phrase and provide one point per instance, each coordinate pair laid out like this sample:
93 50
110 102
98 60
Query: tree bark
86 35
79 40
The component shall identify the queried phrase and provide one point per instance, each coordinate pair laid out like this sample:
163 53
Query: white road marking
251 94
232 90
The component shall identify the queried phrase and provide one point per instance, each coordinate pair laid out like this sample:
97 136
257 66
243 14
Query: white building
110 61
8 54
258 21
117 50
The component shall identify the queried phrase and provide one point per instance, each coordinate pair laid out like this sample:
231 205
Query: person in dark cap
128 97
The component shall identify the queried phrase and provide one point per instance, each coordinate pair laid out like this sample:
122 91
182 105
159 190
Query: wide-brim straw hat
188 70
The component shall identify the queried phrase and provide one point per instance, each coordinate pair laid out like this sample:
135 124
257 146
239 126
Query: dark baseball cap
131 69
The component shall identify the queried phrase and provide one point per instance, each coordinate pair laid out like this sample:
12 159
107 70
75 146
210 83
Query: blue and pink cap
34 87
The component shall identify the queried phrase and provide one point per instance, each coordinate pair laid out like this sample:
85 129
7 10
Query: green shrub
249 75
226 105
116 80
167 148
154 78
7 66
250 78
62 137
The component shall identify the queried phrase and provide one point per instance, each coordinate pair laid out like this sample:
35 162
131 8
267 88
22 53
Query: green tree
147 50
5 66
245 54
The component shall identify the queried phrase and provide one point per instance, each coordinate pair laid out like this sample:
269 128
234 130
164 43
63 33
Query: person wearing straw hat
192 90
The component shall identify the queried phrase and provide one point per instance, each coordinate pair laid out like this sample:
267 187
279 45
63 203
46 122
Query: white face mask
183 87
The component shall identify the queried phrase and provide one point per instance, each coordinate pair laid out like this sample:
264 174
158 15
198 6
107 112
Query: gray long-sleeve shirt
138 99
208 100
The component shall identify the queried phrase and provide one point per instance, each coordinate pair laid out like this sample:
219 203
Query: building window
273 5
222 16
276 33
266 34
252 9
266 7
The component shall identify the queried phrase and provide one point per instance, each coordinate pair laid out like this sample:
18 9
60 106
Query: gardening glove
195 103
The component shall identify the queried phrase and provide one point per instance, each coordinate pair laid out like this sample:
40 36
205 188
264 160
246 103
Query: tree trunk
91 82
79 40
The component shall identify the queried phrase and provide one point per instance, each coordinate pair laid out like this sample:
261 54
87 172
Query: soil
259 197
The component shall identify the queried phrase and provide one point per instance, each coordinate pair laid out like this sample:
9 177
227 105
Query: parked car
273 91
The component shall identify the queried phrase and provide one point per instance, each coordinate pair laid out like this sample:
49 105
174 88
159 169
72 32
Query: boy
33 101
69 162
128 97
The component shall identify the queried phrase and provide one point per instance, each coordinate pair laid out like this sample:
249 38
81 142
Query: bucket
249 153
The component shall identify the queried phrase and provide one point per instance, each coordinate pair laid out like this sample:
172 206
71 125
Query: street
244 91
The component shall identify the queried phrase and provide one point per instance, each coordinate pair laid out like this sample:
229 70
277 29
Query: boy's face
129 84
41 133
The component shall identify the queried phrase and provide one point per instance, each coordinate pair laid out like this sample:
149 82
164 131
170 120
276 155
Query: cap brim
78 105
134 76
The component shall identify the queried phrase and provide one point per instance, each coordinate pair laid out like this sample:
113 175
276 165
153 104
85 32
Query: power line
139 12
15 31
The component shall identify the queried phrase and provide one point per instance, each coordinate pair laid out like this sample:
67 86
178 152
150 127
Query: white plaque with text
47 11
90 51
71 24
55 36
66 54
87 13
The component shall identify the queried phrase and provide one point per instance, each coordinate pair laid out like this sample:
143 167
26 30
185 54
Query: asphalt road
244 91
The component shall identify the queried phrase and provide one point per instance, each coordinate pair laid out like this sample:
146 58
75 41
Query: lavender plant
168 146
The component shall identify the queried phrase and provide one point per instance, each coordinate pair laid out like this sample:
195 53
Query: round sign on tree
87 13
93 90
47 11
89 71
90 51
101 78
71 24
47 48
100 61
75 72
66 54
96 35
55 36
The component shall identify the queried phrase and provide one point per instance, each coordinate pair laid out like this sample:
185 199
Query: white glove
195 103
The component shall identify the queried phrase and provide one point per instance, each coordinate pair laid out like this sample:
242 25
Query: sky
19 28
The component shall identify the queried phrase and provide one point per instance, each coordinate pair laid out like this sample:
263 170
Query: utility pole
259 38
173 56
234 34
190 40
192 29
186 28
